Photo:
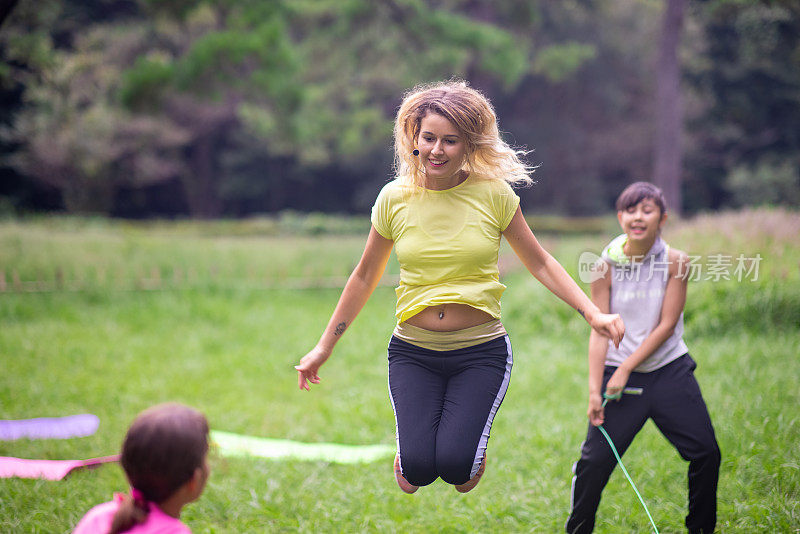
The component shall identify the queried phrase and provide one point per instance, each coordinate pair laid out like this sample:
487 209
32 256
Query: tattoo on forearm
340 329
581 312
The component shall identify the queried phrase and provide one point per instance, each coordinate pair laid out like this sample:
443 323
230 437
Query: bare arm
671 309
357 290
598 347
552 275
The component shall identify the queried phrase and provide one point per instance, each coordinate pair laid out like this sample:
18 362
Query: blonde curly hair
472 114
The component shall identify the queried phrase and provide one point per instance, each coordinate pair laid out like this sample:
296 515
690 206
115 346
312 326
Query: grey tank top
637 293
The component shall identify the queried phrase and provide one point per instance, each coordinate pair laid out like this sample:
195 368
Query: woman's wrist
589 313
325 347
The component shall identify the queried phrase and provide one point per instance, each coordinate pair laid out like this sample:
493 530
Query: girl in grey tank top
637 294
644 281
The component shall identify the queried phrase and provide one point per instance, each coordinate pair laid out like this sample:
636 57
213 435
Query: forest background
220 108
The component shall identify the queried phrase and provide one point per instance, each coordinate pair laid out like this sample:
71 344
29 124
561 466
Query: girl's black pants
671 397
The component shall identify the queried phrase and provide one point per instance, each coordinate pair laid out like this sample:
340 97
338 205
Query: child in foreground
164 456
644 281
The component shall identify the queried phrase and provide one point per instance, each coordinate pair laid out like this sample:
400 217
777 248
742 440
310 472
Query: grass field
225 342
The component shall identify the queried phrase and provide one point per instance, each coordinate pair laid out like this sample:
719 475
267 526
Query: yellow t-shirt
447 242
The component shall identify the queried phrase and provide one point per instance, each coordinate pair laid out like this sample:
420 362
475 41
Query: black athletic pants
671 397
444 404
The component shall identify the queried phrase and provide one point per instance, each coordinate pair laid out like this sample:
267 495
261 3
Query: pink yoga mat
46 469
71 426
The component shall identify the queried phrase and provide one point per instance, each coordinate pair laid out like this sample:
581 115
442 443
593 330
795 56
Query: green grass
99 255
228 349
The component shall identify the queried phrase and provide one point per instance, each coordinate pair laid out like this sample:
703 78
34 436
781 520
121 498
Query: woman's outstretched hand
610 325
309 366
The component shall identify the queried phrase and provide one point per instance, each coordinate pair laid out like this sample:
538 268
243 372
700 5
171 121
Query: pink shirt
98 521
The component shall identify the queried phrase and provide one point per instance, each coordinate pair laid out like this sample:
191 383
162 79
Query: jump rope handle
617 396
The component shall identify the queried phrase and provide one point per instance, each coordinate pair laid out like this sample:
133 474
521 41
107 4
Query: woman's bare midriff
449 317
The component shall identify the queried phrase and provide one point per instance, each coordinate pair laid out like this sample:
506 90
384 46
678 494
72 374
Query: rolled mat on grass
71 426
237 445
47 469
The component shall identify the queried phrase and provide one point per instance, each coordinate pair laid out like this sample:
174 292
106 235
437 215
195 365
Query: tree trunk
201 185
6 7
668 152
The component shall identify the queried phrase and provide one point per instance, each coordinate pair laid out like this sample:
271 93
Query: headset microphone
415 152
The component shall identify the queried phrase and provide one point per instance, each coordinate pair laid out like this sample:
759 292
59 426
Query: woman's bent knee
418 471
455 470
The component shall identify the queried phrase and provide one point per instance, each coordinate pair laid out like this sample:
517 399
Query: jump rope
616 396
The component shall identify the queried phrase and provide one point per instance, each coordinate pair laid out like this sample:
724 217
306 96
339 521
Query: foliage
750 79
220 72
74 136
770 182
591 131
558 62
216 107
210 69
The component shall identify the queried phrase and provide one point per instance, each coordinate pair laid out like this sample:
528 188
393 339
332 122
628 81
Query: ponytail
133 510
161 451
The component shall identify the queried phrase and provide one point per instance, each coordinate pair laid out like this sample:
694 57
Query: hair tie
139 498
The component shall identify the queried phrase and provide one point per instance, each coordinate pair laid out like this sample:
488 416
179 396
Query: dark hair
164 446
636 192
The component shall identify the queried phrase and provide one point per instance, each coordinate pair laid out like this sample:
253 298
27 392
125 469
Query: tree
668 152
200 85
75 138
273 71
586 108
748 81
243 106
65 129
6 7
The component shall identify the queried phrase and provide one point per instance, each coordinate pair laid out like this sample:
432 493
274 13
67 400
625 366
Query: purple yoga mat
46 469
71 426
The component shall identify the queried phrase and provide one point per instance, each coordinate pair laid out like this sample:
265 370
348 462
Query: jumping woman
444 213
